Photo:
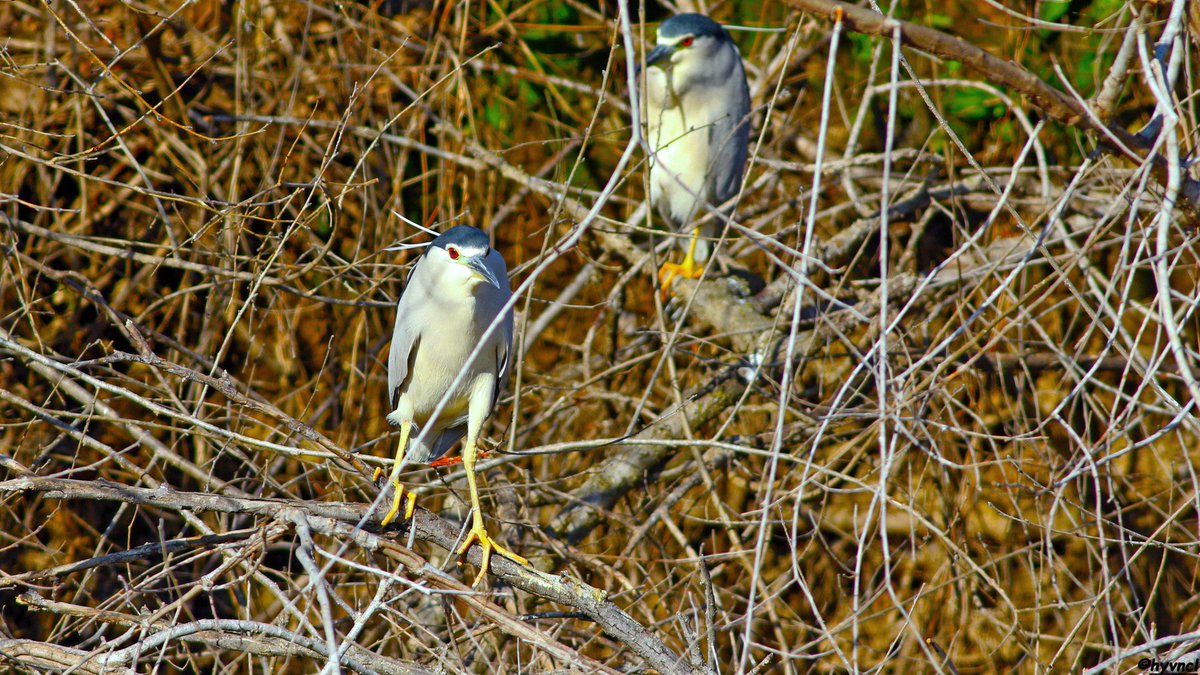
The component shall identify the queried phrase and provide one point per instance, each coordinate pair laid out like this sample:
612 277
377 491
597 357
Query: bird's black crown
691 24
463 236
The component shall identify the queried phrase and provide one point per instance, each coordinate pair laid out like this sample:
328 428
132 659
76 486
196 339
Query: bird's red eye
453 253
687 42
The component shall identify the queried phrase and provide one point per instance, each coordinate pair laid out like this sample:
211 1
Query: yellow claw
478 532
398 490
687 269
410 505
480 535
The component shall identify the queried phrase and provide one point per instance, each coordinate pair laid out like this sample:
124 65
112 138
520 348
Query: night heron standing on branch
457 290
698 117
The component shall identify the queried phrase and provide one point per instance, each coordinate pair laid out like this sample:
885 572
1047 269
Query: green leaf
973 105
939 21
860 47
494 116
1053 10
528 93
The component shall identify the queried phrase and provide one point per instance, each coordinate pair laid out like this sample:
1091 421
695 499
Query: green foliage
939 21
1102 10
529 93
495 115
861 47
973 105
1053 10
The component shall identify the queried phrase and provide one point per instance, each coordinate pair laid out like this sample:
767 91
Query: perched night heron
698 117
456 291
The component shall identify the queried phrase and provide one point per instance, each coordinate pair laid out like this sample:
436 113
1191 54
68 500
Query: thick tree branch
220 637
341 520
630 462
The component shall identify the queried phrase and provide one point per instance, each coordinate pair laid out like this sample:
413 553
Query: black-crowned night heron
456 291
698 117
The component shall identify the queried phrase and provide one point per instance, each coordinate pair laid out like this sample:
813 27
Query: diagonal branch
1055 104
341 520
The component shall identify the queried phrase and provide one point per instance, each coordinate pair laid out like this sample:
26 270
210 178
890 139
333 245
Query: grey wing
729 136
504 337
503 349
405 340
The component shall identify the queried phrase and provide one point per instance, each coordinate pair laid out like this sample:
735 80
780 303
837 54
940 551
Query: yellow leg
394 479
688 268
478 533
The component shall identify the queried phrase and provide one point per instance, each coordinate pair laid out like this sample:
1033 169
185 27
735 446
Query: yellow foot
400 495
479 534
687 269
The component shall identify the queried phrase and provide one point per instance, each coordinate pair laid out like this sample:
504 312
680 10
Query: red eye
453 253
687 42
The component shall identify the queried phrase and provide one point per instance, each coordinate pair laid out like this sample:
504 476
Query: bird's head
461 255
692 47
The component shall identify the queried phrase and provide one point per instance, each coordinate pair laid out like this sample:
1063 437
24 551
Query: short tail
434 446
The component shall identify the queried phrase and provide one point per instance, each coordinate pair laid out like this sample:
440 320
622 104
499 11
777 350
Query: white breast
442 352
679 168
447 339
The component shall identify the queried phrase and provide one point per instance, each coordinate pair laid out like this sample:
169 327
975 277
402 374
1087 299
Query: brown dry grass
203 190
